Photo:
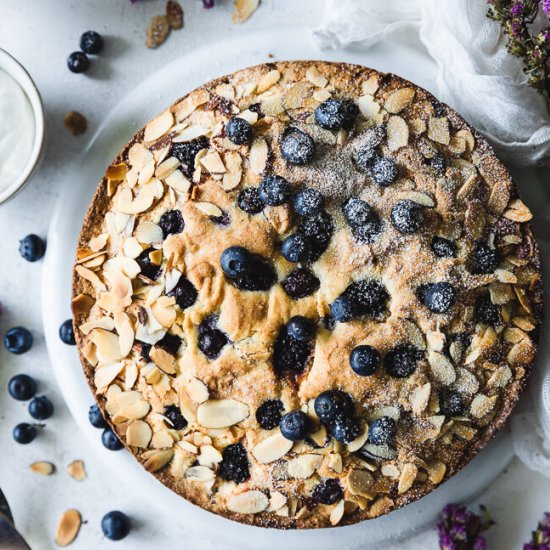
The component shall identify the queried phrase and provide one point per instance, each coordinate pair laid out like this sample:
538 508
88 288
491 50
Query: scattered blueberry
301 328
274 190
318 229
297 147
484 260
78 62
365 157
269 413
24 433
331 404
343 309
295 248
485 311
450 402
438 297
110 440
66 333
384 171
187 151
148 268
91 42
170 343
295 425
300 283
234 261
334 114
18 340
41 408
173 414
145 350
402 360
364 360
407 216
115 525
239 131
211 339
171 222
308 202
290 355
32 248
365 297
247 271
346 428
382 431
234 465
96 418
22 387
327 491
249 200
365 223
184 292
443 248
439 162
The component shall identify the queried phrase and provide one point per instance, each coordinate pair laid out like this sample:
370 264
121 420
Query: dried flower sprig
461 529
527 26
541 537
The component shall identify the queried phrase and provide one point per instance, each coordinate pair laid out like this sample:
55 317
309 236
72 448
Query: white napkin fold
475 73
478 77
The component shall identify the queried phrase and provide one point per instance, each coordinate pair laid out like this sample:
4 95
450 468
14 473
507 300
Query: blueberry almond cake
306 294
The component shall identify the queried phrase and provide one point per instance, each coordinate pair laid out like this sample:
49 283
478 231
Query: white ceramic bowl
22 77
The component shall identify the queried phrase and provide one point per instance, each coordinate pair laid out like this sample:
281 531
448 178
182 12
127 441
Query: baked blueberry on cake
306 294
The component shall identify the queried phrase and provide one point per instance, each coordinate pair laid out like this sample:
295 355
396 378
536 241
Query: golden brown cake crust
470 199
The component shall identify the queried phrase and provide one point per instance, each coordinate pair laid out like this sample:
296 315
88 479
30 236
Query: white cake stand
158 91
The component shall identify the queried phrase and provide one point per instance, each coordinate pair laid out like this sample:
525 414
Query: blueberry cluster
211 339
382 170
234 465
363 220
247 271
310 240
361 298
402 360
186 152
294 345
334 114
336 411
91 43
109 439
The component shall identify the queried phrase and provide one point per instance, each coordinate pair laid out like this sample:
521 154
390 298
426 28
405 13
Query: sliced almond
518 212
148 233
77 470
397 133
42 468
164 360
268 80
243 10
276 501
420 398
436 472
107 344
304 466
249 502
200 474
158 460
197 390
209 209
334 462
442 369
337 513
370 109
407 477
139 156
178 182
221 413
213 163
139 434
257 156
358 442
359 483
158 126
482 405
103 376
232 178
315 77
398 100
91 277
67 528
209 456
438 130
272 448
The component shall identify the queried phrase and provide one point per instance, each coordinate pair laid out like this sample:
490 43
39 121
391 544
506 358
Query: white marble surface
40 35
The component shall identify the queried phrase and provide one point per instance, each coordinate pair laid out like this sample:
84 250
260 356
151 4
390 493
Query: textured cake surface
410 258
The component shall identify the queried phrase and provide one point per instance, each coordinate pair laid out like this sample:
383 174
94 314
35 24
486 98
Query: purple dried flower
460 529
207 4
546 7
540 539
517 9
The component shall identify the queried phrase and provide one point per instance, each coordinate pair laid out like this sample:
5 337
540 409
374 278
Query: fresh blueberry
171 222
78 62
24 433
485 311
484 260
247 271
328 491
402 360
187 151
91 42
184 292
443 248
364 360
365 297
170 343
96 418
334 114
384 171
438 297
22 387
145 350
115 525
290 355
407 216
297 147
368 233
110 440
235 261
332 404
249 200
439 162
239 131
318 229
274 190
346 428
41 408
365 157
382 431
173 414
357 212
234 465
32 248
308 202
66 333
301 328
295 425
300 283
450 402
148 268
295 248
18 340
343 309
211 339
269 414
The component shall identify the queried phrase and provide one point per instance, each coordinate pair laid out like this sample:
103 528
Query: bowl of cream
21 127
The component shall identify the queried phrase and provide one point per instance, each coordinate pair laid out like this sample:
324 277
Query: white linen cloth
478 77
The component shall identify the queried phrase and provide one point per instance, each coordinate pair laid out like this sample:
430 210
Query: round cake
306 294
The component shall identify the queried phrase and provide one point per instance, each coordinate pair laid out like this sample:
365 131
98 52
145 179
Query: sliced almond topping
67 528
499 197
276 501
82 304
272 105
148 233
257 156
268 80
178 182
162 440
91 277
158 126
442 369
304 466
186 106
209 456
221 413
105 322
407 477
337 513
197 390
116 172
200 474
158 460
397 133
419 197
243 10
359 483
358 442
232 178
370 109
272 448
436 472
42 468
438 130
125 333
249 502
139 434
103 376
315 77
76 470
334 462
482 405
390 470
518 212
398 100
209 209
188 446
420 397
107 344
319 437
213 163
139 156
128 404
164 360
321 95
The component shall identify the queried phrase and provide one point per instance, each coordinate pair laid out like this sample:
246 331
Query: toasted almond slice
304 466
188 447
164 360
139 156
359 482
370 109
268 80
397 133
442 369
167 167
103 376
104 322
90 276
243 10
77 470
148 232
178 182
276 501
436 472
438 130
420 398
158 460
272 448
43 468
482 405
128 404
158 126
139 434
67 528
186 106
398 100
125 333
197 390
209 209
249 502
358 442
337 513
213 163
209 456
200 473
232 178
407 477
221 413
334 462
257 156
82 304
315 77
107 344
